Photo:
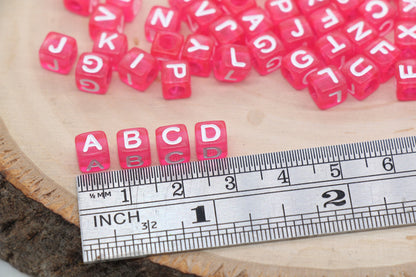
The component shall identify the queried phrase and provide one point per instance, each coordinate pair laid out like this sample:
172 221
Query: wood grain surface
42 112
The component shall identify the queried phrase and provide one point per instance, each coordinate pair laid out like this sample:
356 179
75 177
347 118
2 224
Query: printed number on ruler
248 199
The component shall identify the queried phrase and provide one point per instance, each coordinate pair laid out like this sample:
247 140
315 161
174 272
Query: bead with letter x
407 32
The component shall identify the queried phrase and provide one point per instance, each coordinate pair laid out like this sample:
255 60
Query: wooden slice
42 112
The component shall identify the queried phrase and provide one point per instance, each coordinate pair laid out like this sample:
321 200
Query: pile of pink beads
333 47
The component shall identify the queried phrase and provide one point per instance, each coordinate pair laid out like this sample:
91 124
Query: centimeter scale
248 199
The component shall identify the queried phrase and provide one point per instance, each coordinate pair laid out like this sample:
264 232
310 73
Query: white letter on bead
107 15
91 141
300 30
409 75
137 60
337 47
255 20
381 4
89 85
383 47
107 40
228 23
411 4
197 46
167 140
330 73
58 49
260 43
202 10
159 16
89 60
234 61
330 20
407 32
204 132
179 70
307 59
353 68
132 136
359 27
285 6
168 159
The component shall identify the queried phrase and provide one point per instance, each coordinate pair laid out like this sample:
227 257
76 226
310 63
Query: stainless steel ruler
248 199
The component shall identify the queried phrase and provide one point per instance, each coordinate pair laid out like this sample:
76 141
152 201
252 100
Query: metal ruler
248 199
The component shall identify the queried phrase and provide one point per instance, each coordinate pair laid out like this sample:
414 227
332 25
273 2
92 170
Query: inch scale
248 199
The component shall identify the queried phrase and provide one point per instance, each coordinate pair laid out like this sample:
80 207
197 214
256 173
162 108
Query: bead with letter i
211 140
133 148
172 143
138 69
92 151
406 80
58 53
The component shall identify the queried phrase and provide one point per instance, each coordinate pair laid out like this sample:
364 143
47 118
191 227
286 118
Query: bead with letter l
232 63
92 151
172 143
327 87
58 53
133 148
210 140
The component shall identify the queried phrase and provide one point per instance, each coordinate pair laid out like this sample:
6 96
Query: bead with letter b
133 148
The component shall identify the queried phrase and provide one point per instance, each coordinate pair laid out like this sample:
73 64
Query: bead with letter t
211 140
133 148
172 143
92 151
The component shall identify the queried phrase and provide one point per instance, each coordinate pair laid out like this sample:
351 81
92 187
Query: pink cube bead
129 7
380 14
406 80
93 73
405 38
200 14
138 69
327 87
325 20
161 19
211 140
360 33
298 65
106 18
167 45
227 30
406 9
385 55
231 63
113 45
92 151
296 32
176 79
334 48
81 7
133 148
255 21
58 53
172 143
308 6
348 8
267 52
198 50
362 76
